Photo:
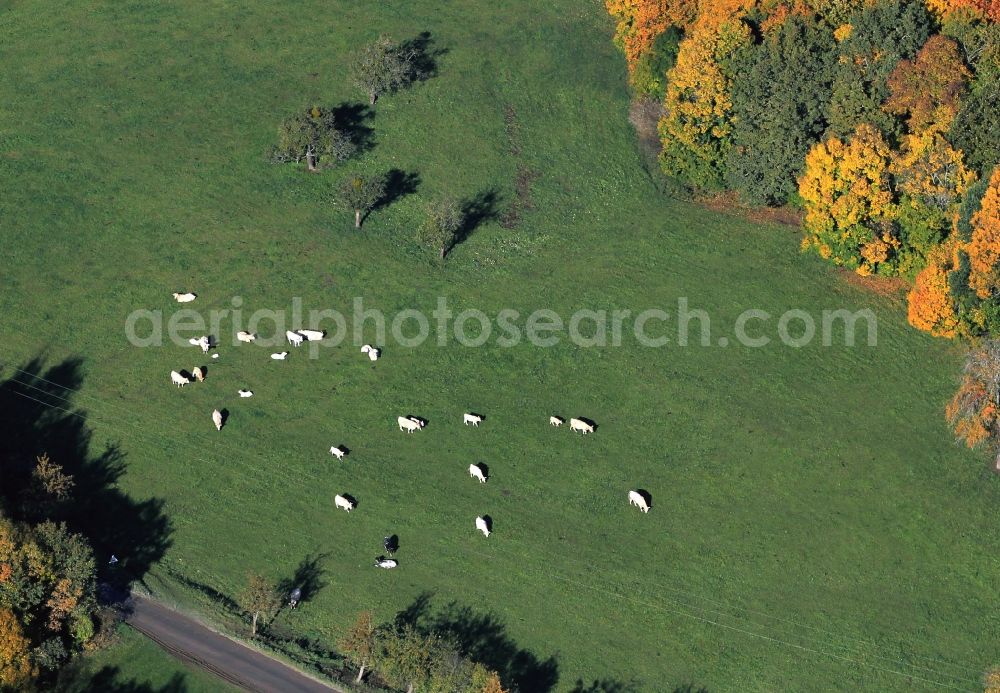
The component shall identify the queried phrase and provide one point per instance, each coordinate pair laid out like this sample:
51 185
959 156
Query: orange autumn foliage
640 22
16 669
985 9
929 170
929 303
927 88
984 247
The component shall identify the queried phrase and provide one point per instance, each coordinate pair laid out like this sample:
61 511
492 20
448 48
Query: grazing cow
556 420
635 498
345 503
199 374
217 419
246 337
280 356
373 352
387 563
294 338
178 379
245 393
408 424
184 298
474 419
580 425
483 526
338 452
205 342
391 544
476 471
312 335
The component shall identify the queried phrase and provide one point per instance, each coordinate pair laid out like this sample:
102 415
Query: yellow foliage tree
848 199
697 122
984 248
929 170
16 668
929 303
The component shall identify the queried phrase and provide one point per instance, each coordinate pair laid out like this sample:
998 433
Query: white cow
476 471
184 298
217 419
409 425
474 419
482 526
373 352
580 425
556 420
199 374
312 335
635 498
178 379
280 356
386 563
338 452
205 342
245 393
294 338
341 502
246 337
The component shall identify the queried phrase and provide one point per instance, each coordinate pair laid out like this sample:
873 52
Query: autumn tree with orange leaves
16 667
984 248
973 411
640 22
930 306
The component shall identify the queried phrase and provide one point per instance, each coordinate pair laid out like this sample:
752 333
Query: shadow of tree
398 184
308 578
37 416
352 119
79 677
424 56
476 212
483 639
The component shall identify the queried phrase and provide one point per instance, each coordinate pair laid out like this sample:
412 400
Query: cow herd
407 423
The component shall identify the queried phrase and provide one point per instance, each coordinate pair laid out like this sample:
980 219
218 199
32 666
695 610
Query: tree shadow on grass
398 184
475 212
482 638
79 677
424 56
38 416
352 119
308 578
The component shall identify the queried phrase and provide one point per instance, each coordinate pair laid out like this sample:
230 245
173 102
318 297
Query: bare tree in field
974 411
384 66
260 598
444 219
361 194
358 643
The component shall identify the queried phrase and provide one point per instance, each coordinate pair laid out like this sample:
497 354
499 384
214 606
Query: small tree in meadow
444 219
361 194
358 643
260 598
384 66
312 136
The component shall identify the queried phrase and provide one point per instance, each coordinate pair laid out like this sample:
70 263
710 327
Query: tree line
877 119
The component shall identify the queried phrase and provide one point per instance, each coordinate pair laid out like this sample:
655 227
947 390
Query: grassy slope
137 665
814 496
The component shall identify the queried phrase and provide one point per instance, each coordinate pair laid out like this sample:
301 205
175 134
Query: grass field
136 665
814 526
